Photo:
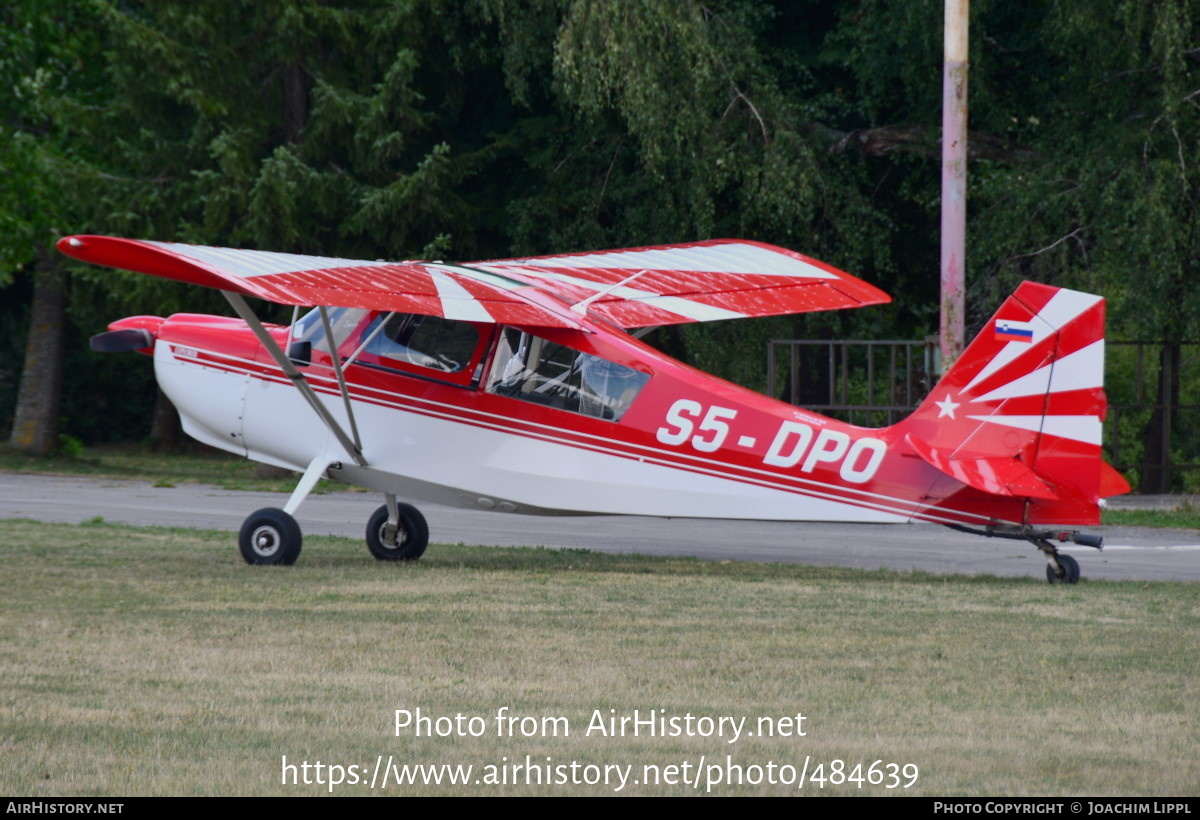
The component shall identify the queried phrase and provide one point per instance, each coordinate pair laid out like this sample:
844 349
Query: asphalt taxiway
1129 552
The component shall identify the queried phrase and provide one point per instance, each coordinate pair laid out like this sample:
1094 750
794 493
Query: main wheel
410 540
270 536
1070 571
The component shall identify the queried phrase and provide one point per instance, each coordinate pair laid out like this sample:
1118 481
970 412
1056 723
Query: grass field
150 662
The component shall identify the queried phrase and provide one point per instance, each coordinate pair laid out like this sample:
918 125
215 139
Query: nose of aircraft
136 333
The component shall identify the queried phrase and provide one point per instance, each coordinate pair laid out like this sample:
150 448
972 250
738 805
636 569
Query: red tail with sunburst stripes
1020 413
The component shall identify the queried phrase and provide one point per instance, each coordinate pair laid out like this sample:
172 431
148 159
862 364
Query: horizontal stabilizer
1111 482
998 475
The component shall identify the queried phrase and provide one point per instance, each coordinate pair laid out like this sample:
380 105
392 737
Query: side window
424 341
537 370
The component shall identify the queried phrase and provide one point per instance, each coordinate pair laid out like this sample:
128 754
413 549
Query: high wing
693 282
635 287
428 288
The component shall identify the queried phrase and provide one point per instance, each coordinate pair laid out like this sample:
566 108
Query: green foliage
676 126
44 50
69 447
1111 203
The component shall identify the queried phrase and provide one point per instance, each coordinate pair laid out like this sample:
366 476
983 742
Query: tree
1115 206
672 124
337 131
40 66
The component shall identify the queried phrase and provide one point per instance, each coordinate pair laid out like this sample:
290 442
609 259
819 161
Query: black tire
270 536
1070 571
412 535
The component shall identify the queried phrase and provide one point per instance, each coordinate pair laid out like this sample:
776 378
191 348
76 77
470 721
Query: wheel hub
265 540
390 535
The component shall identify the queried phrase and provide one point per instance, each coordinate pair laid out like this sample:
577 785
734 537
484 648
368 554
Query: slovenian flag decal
1008 330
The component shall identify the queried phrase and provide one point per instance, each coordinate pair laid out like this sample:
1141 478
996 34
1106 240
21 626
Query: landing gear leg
272 536
1060 568
397 532
316 469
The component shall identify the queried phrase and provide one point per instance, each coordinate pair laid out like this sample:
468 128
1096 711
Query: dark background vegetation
469 129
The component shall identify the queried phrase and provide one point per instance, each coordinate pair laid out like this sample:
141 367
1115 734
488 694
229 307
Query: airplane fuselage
688 445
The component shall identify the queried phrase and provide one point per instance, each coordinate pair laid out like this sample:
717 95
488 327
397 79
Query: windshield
342 320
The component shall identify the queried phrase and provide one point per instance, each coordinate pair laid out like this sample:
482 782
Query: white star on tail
947 407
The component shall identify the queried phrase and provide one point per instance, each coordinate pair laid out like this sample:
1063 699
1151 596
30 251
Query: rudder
1020 414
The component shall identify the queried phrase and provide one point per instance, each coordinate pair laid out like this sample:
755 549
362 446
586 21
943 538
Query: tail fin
1019 414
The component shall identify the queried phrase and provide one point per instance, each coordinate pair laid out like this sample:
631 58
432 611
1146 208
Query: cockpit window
426 341
342 321
537 370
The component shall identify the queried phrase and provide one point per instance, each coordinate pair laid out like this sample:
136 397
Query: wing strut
582 306
285 364
337 368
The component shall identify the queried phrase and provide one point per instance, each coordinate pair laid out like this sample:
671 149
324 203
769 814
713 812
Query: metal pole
954 179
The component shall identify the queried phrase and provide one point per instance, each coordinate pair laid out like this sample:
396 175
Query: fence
868 383
1152 433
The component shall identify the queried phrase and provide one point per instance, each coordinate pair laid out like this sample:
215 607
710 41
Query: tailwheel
270 536
1066 572
403 541
1060 569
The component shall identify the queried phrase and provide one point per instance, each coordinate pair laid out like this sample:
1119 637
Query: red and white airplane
513 385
